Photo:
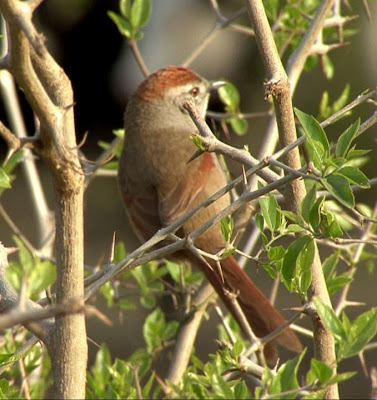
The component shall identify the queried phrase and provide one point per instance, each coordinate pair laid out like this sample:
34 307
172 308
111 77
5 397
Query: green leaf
363 329
120 252
241 391
317 143
259 221
339 187
341 101
341 377
237 349
329 265
229 95
271 211
123 25
335 230
148 301
227 226
308 202
288 269
345 139
170 330
328 67
357 154
41 276
338 282
4 179
330 320
286 378
303 264
319 370
140 11
355 176
294 228
125 8
174 271
198 142
239 125
315 212
148 386
152 328
276 253
293 217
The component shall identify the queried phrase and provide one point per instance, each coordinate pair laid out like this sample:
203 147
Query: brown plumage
158 186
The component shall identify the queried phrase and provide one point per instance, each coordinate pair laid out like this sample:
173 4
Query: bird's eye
194 91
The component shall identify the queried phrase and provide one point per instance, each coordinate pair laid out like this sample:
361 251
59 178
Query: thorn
112 250
83 140
195 155
366 9
218 265
10 153
244 178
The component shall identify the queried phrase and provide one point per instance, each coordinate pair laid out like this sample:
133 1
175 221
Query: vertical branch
44 218
279 87
295 66
49 93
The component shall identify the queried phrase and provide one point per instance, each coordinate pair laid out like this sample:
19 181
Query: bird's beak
216 85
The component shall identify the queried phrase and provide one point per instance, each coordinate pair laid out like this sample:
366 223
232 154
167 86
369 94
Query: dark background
103 72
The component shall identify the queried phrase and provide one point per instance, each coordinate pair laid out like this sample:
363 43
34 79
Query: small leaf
293 217
259 221
286 378
4 179
340 188
363 329
338 282
318 144
229 95
328 67
271 211
308 202
140 11
174 271
357 154
315 212
330 320
198 142
355 176
170 330
329 265
237 349
294 228
125 8
319 370
341 377
341 101
335 230
227 226
270 270
239 125
276 253
123 25
288 269
345 139
303 264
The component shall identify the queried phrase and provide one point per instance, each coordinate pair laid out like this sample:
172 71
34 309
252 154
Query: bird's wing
183 196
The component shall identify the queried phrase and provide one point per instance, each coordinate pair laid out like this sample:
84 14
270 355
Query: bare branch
138 57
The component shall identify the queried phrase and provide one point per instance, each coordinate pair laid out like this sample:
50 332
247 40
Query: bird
158 185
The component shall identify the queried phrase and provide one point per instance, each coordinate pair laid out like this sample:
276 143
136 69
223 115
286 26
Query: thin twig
138 57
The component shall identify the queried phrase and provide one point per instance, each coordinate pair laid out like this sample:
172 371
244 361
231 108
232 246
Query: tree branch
49 93
279 87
